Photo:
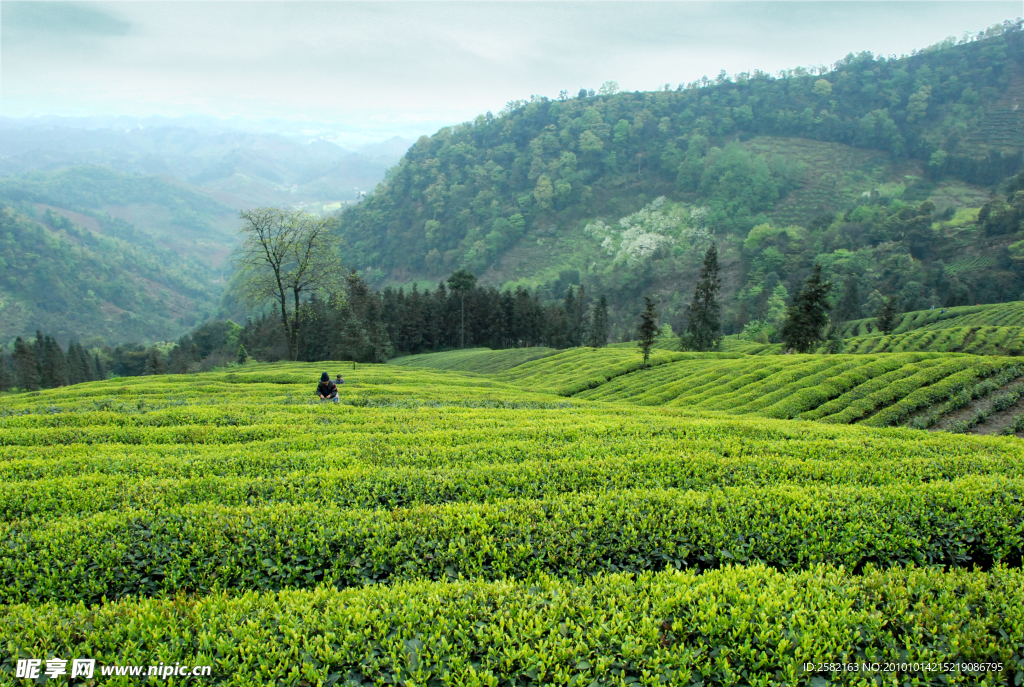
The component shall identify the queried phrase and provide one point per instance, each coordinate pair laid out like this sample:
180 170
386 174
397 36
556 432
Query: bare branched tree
283 257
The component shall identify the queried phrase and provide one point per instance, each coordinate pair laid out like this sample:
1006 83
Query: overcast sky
389 67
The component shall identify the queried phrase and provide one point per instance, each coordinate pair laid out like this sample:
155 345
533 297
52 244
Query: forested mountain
134 208
110 284
877 168
89 253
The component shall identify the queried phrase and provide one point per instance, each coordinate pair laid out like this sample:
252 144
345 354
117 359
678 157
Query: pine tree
55 365
462 282
377 333
565 337
703 316
575 316
243 355
808 316
579 318
97 370
6 371
39 351
647 331
154 365
598 334
26 372
849 307
886 320
78 365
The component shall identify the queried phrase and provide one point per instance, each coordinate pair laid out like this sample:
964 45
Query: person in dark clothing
326 389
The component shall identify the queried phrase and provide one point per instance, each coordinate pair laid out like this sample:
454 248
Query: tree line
354 323
43 364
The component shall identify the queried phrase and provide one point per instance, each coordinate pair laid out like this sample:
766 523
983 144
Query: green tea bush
970 521
731 626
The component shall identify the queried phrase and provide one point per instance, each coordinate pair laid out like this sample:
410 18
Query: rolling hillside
858 168
169 213
482 360
164 202
965 393
96 278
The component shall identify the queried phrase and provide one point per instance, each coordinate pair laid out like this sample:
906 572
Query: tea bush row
970 521
737 625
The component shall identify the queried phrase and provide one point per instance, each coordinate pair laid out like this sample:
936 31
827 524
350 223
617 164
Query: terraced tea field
545 522
995 315
980 330
924 390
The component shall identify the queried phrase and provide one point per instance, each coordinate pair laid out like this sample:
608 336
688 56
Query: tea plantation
519 518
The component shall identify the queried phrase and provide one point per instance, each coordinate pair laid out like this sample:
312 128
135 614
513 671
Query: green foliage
886 321
481 360
982 330
600 629
517 159
228 501
78 283
782 172
647 330
570 372
597 336
807 318
703 320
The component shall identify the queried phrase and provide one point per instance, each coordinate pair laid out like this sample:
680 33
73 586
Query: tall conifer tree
703 316
26 372
647 331
807 318
598 334
6 371
78 365
55 365
39 351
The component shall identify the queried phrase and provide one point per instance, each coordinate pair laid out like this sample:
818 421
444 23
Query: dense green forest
876 168
108 285
173 214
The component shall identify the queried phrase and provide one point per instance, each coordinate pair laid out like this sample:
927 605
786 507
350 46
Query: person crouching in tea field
326 389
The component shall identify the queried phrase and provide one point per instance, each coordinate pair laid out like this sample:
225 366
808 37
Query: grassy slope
482 360
465 500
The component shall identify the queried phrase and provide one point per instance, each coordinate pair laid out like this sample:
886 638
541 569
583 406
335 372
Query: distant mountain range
118 229
242 168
